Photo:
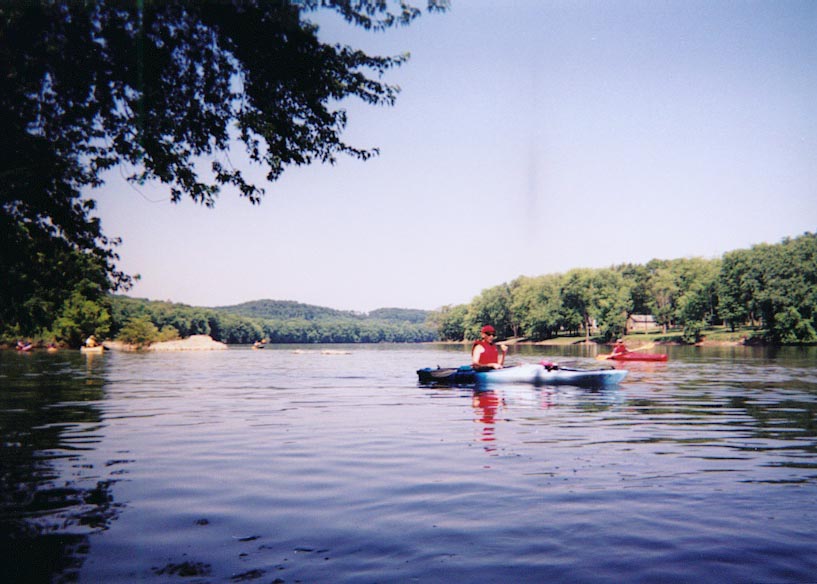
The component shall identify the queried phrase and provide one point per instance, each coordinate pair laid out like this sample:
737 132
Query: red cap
488 329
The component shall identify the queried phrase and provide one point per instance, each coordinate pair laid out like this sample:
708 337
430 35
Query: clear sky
531 137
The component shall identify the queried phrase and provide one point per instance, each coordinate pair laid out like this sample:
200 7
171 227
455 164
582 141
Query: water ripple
261 465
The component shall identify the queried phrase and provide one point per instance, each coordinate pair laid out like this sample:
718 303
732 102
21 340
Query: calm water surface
299 466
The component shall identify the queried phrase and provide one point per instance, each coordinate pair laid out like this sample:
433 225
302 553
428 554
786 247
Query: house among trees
642 323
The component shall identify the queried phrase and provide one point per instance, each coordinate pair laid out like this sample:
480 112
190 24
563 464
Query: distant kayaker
484 353
619 348
90 341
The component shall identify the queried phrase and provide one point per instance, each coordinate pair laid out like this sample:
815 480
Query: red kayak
634 356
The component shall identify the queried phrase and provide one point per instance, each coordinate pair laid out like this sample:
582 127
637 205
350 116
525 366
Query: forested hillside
400 315
277 321
286 310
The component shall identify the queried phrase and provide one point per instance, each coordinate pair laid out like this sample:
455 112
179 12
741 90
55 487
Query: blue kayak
530 373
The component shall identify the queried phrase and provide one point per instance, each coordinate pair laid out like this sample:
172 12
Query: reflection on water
293 464
486 405
51 499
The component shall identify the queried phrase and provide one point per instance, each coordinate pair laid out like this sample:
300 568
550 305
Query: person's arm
475 353
503 350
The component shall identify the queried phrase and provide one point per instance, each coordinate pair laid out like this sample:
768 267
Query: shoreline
563 343
191 343
207 343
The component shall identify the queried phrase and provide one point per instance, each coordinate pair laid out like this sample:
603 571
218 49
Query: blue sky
530 137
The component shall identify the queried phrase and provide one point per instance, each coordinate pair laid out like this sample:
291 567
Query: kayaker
619 348
484 353
90 341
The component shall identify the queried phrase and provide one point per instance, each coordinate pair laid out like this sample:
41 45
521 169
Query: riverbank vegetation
765 294
769 288
140 321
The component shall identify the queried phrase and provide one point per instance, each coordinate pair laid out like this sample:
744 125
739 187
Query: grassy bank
711 335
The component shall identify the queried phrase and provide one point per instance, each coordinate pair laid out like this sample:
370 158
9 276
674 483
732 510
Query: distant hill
286 310
279 321
410 315
291 310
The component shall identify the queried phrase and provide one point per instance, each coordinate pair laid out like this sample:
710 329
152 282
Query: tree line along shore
766 294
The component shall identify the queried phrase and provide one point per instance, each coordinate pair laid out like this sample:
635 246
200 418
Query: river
294 464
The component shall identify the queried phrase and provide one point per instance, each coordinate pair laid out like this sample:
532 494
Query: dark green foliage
449 322
277 321
693 332
492 306
737 287
284 310
400 315
139 331
155 88
81 318
40 273
334 331
774 286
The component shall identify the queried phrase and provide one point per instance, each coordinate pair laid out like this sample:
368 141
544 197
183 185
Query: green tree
637 278
664 291
156 88
611 302
577 300
168 333
736 287
697 303
80 318
39 274
492 306
537 305
787 289
450 322
139 331
791 327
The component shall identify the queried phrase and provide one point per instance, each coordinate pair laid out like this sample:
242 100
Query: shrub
139 331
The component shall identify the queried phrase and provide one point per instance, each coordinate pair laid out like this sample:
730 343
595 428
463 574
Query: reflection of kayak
635 356
96 349
535 374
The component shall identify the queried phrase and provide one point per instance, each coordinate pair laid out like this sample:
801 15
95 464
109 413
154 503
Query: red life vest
620 349
489 355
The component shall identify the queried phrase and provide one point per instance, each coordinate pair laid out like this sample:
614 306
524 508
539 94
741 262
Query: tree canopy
163 90
773 287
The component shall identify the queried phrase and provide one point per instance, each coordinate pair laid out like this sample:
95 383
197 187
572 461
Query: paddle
508 342
637 349
643 347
